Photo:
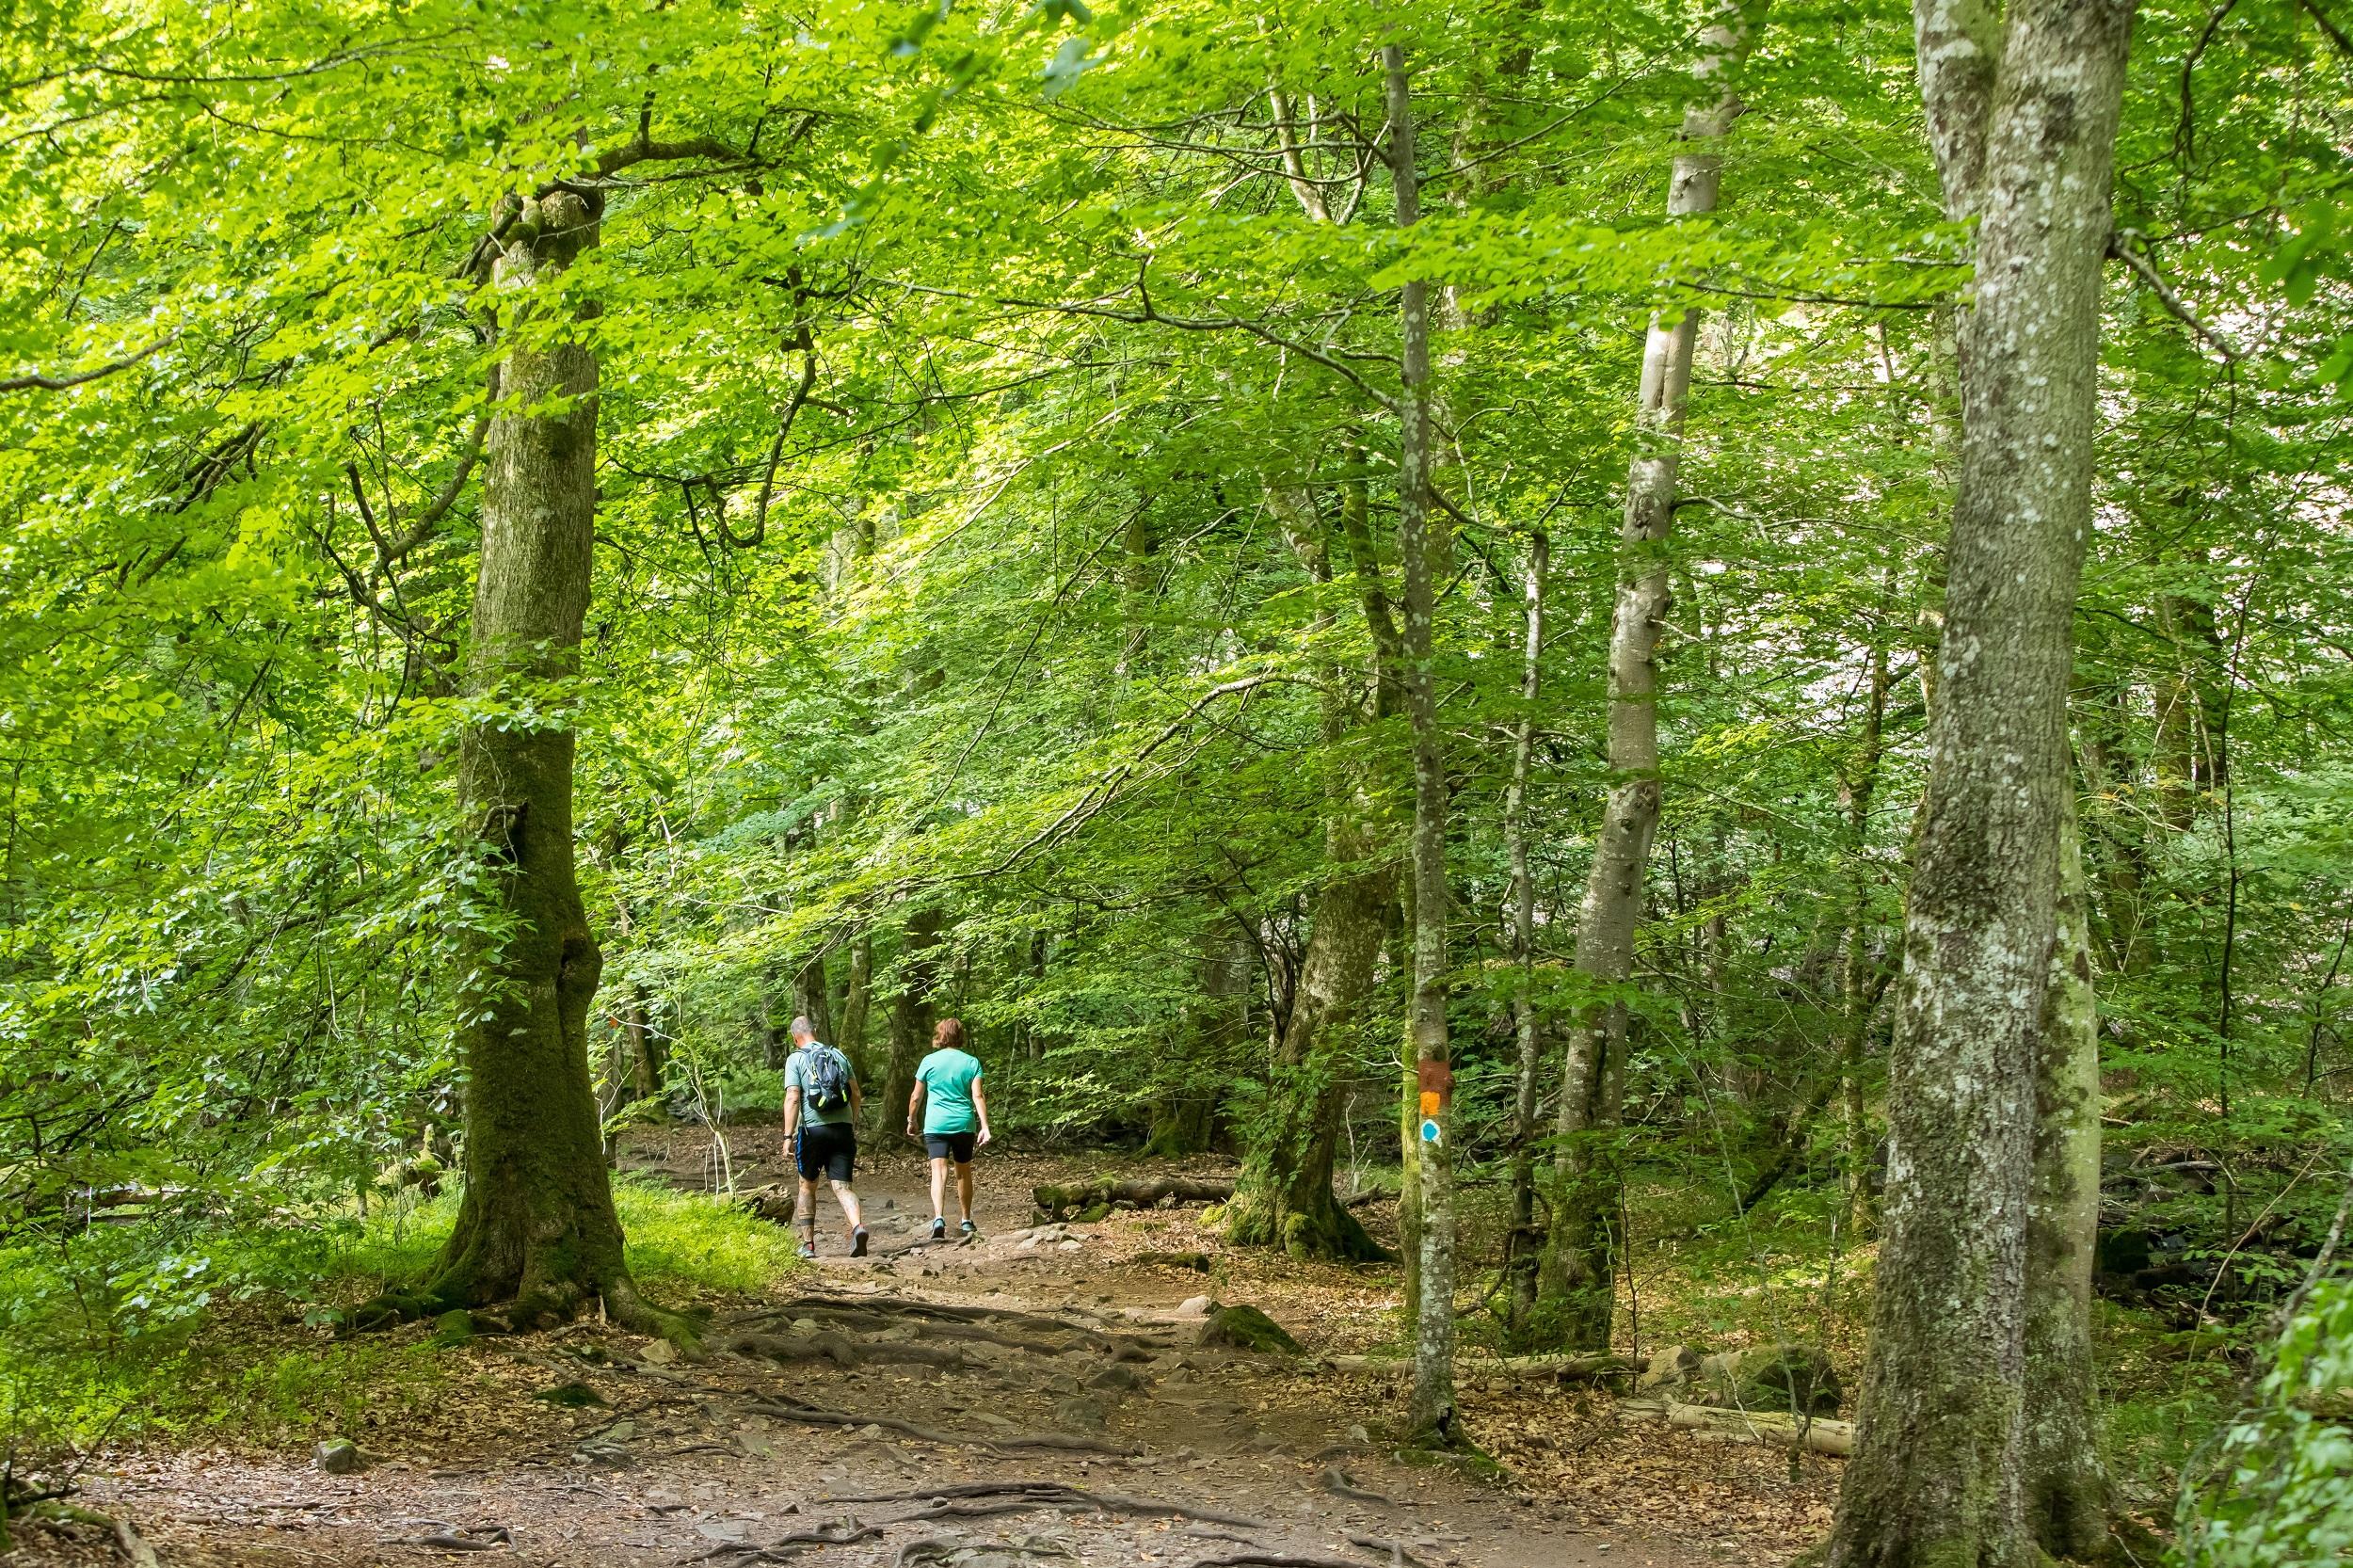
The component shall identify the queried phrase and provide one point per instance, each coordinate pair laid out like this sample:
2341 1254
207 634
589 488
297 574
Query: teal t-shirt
947 1077
796 1075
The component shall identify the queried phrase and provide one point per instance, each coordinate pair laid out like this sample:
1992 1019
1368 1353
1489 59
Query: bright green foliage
952 363
234 1331
2279 1486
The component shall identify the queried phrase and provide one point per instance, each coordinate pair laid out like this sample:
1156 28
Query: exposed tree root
1335 1480
1273 1560
814 1416
450 1540
881 1311
447 1292
1398 1556
1054 1494
841 1350
844 1534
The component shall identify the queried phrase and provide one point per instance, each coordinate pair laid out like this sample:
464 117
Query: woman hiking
954 1111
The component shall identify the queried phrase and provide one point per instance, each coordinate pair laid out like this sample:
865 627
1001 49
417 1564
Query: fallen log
1109 1193
1477 1367
1776 1429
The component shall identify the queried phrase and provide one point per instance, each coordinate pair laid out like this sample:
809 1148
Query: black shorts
826 1149
949 1145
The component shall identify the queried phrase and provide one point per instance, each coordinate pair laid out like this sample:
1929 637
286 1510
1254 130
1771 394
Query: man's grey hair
802 1026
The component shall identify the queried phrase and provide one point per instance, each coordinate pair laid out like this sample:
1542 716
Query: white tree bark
2022 116
1575 1281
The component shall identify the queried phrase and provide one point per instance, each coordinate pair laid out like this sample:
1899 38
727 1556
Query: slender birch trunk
1431 1413
1575 1285
2021 114
1527 1037
1856 991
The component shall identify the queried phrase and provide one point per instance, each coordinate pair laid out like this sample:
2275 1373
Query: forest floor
1067 1414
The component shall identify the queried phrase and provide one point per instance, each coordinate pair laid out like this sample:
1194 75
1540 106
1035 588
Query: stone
1081 1413
337 1456
1118 1375
1668 1370
660 1354
453 1328
1359 1435
1197 1307
1246 1328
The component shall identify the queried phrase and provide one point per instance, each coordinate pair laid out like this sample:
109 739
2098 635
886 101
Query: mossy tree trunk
1576 1296
2022 110
2063 1464
1284 1197
537 1224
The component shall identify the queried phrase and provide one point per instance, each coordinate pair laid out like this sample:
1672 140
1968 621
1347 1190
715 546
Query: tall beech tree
1577 1282
2022 108
536 1223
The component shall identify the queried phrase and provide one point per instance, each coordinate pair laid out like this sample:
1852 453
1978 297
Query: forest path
1067 1416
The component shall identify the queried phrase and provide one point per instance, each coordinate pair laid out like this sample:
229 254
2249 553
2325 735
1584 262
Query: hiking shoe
969 1231
808 1250
858 1243
939 1230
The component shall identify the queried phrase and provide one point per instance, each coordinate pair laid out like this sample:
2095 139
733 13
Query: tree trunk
1575 1291
2065 1475
1522 1245
1431 1410
644 1044
910 1015
1857 993
1284 1198
1184 1109
857 998
811 1000
2022 113
536 1223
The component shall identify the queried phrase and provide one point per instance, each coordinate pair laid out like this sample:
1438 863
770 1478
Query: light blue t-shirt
796 1077
947 1077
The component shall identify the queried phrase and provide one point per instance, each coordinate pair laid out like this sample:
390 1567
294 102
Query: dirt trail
1018 1402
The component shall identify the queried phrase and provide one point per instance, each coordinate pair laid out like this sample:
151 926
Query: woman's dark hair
949 1035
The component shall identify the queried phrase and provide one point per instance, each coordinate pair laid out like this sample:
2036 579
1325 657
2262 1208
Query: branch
1151 314
38 381
2120 245
775 448
1101 793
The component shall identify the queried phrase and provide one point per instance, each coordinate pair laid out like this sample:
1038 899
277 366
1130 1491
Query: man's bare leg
851 1214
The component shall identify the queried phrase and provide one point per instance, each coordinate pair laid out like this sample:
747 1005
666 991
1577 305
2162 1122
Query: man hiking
949 1098
822 1099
